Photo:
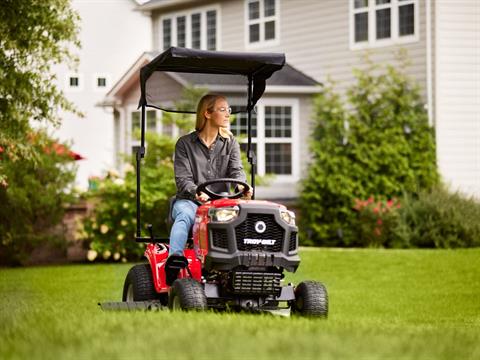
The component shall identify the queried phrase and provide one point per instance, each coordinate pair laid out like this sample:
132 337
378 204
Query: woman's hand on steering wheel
202 197
246 194
236 194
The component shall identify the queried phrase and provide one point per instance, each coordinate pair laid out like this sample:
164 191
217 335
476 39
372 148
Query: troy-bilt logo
260 227
259 241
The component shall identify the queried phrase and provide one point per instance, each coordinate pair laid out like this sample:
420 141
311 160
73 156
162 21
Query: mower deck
132 305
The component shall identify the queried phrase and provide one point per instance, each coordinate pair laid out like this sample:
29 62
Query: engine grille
220 238
273 231
292 245
255 283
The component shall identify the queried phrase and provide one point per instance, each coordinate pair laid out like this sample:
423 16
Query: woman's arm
186 186
235 167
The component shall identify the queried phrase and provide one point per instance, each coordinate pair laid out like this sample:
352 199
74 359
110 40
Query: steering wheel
203 187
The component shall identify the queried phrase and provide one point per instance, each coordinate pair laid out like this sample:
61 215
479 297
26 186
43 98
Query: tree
34 201
35 35
374 143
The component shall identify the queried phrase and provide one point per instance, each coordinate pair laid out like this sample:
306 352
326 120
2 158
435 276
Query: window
272 136
167 33
211 30
101 82
153 124
239 126
181 31
262 21
74 82
197 29
383 22
278 139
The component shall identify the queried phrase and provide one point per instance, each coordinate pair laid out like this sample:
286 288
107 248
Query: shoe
173 266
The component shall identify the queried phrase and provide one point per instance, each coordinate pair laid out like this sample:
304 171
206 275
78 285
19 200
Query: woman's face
220 115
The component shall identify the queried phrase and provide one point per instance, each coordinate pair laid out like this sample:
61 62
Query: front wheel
187 294
139 285
311 299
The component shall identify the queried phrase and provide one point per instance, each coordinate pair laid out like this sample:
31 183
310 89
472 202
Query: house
108 49
325 39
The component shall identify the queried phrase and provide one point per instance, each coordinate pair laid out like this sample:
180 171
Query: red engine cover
157 254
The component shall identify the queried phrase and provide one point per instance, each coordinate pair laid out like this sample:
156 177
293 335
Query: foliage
438 219
35 36
377 221
34 200
111 229
375 141
188 102
433 218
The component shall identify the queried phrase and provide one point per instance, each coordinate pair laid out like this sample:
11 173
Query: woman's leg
184 215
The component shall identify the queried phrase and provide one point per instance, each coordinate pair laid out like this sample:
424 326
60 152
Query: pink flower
370 200
376 210
390 203
379 221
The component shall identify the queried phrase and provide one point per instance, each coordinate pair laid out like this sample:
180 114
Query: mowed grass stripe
383 304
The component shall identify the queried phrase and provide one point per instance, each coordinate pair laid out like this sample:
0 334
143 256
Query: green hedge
438 219
34 197
373 142
110 229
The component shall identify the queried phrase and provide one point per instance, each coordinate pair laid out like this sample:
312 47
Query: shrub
439 219
377 222
374 141
111 228
33 200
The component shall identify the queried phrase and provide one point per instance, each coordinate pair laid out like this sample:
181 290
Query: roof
288 80
287 76
162 4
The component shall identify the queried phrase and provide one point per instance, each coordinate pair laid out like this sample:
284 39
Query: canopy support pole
139 155
250 153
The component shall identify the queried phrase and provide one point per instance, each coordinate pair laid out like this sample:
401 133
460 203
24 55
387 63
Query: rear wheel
187 294
139 285
311 299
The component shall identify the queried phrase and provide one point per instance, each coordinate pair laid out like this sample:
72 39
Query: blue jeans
184 215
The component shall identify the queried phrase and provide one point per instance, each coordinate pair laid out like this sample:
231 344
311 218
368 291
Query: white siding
113 35
314 35
457 95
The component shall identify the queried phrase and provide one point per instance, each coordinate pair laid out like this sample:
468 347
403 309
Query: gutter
428 34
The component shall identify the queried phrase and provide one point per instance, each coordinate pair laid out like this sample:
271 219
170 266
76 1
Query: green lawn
396 304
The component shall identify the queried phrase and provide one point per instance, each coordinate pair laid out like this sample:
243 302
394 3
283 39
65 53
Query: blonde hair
207 103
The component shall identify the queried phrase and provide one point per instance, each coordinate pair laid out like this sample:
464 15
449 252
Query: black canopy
258 66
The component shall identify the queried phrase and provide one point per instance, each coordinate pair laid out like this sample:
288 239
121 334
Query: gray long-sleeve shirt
195 163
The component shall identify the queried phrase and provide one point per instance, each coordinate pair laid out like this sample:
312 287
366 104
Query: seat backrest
169 221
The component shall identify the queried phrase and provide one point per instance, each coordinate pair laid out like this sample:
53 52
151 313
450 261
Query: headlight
223 214
288 217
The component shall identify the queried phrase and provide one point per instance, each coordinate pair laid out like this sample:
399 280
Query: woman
210 152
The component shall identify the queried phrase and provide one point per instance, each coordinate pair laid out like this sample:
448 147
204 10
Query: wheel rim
130 293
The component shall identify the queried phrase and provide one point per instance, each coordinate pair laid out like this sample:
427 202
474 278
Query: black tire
311 299
139 285
187 294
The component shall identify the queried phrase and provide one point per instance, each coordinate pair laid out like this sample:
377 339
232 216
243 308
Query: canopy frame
257 67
